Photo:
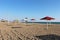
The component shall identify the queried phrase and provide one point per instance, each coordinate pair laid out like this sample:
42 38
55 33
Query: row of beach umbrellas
44 18
47 18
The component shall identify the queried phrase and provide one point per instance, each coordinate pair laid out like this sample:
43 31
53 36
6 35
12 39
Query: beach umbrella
32 19
47 18
26 20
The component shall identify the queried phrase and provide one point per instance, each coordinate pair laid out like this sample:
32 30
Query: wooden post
47 24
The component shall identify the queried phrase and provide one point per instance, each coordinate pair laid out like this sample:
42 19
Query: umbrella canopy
47 18
26 19
32 19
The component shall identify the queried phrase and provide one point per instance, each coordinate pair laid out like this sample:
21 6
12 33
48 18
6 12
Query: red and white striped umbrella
47 18
32 19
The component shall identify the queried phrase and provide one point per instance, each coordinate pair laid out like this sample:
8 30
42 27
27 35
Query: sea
45 22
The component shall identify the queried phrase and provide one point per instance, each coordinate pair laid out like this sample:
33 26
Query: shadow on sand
49 37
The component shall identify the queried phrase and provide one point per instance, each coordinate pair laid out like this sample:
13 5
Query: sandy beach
22 31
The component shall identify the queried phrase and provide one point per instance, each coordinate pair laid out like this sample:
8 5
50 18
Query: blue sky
19 9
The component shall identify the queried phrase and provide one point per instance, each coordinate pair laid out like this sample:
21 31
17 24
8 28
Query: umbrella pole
47 24
26 23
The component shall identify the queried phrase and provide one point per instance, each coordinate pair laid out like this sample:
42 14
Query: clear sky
19 9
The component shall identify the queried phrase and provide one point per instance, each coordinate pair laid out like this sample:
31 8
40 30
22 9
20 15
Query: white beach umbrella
26 20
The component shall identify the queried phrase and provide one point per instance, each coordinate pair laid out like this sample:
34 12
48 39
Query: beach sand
22 31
